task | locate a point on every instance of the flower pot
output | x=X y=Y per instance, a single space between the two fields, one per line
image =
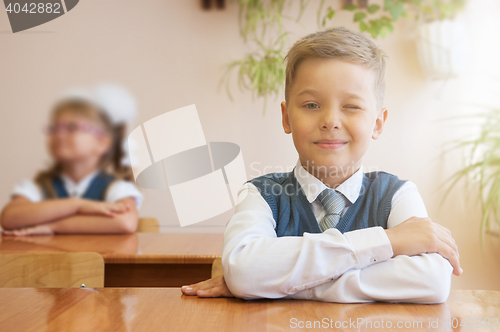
x=441 y=48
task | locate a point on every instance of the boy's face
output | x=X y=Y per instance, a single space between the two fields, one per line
x=332 y=116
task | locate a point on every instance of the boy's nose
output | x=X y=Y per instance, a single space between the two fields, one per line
x=331 y=119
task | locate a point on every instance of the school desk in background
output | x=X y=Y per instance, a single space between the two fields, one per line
x=134 y=260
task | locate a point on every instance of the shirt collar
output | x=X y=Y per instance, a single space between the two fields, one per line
x=77 y=189
x=312 y=186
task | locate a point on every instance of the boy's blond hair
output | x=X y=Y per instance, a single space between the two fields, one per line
x=343 y=44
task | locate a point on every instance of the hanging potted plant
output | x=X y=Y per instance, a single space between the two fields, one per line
x=262 y=71
x=440 y=42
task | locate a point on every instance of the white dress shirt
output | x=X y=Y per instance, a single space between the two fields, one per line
x=117 y=190
x=352 y=267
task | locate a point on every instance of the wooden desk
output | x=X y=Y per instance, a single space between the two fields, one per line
x=166 y=309
x=135 y=260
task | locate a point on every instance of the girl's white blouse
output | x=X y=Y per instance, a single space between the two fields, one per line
x=118 y=189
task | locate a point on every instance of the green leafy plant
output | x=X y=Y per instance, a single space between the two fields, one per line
x=437 y=10
x=262 y=70
x=482 y=167
x=378 y=21
x=376 y=26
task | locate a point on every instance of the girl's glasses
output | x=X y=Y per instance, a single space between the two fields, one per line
x=73 y=127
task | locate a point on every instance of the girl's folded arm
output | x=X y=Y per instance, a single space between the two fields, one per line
x=125 y=222
x=20 y=212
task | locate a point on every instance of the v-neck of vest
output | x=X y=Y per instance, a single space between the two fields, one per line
x=347 y=216
x=305 y=203
x=343 y=221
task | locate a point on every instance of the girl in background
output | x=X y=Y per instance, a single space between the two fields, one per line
x=88 y=188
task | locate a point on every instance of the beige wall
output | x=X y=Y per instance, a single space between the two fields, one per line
x=169 y=53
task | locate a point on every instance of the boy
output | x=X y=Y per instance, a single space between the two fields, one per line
x=326 y=230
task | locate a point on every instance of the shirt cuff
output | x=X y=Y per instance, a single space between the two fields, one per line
x=371 y=245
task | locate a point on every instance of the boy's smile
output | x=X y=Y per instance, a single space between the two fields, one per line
x=332 y=117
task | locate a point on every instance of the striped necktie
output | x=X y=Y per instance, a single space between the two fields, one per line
x=334 y=203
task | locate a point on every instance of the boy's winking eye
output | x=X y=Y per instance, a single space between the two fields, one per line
x=350 y=100
x=332 y=83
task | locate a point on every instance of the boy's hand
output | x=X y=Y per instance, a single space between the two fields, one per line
x=90 y=207
x=215 y=287
x=421 y=235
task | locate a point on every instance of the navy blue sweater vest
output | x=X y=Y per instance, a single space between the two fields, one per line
x=294 y=215
x=95 y=191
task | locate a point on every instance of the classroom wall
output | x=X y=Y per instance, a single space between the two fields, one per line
x=170 y=54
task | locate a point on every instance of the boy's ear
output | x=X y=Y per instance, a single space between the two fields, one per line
x=285 y=119
x=379 y=123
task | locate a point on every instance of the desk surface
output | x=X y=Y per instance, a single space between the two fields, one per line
x=138 y=248
x=166 y=309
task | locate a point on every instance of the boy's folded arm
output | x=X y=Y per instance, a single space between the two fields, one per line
x=323 y=266
x=424 y=278
x=258 y=264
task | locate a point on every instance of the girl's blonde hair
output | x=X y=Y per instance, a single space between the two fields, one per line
x=343 y=44
x=111 y=161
